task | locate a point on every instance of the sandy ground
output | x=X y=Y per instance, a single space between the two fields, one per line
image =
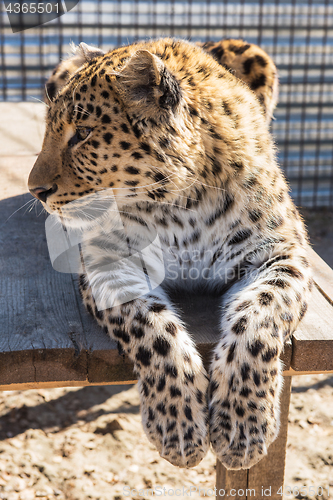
x=87 y=443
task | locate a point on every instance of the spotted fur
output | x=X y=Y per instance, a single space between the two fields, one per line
x=252 y=65
x=185 y=147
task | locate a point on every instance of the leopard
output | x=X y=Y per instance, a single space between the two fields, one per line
x=183 y=147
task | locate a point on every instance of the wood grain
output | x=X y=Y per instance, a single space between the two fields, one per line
x=268 y=474
x=38 y=310
x=227 y=480
x=313 y=341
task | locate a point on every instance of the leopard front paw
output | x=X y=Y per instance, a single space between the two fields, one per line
x=244 y=415
x=175 y=415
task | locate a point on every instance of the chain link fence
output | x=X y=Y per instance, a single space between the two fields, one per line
x=298 y=34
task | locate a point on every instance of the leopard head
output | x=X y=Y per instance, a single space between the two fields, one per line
x=121 y=122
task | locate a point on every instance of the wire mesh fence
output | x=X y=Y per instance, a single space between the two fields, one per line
x=298 y=34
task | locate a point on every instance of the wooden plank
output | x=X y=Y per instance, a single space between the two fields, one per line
x=16 y=367
x=313 y=340
x=227 y=480
x=293 y=373
x=46 y=336
x=41 y=330
x=198 y=313
x=52 y=385
x=265 y=479
x=104 y=364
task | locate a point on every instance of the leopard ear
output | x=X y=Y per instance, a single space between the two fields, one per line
x=84 y=53
x=249 y=63
x=80 y=54
x=146 y=84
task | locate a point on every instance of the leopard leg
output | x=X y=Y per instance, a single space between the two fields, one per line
x=173 y=383
x=246 y=374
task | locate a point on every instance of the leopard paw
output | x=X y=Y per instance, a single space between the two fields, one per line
x=175 y=415
x=244 y=416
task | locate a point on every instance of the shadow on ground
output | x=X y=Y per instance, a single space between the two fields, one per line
x=64 y=411
x=317 y=385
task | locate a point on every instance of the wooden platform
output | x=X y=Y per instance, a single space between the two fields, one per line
x=47 y=339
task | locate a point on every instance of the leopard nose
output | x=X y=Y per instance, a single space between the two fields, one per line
x=42 y=192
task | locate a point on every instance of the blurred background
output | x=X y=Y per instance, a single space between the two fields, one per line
x=298 y=34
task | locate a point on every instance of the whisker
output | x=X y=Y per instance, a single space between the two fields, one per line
x=41 y=212
x=80 y=108
x=29 y=201
x=47 y=94
x=39 y=100
x=29 y=209
x=213 y=187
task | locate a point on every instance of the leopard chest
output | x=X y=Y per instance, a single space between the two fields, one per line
x=193 y=244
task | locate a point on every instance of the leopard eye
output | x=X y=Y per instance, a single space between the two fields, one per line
x=80 y=135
